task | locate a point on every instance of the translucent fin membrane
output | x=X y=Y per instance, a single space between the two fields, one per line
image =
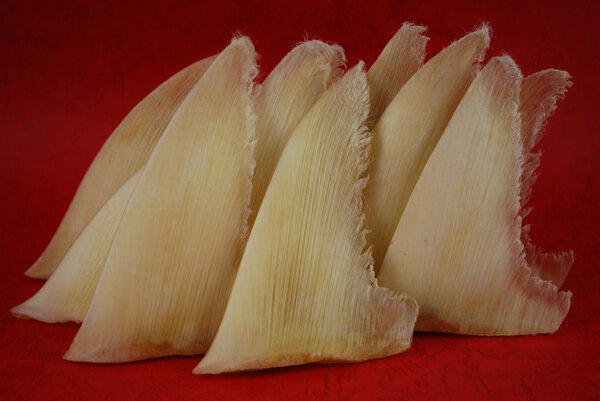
x=175 y=254
x=124 y=153
x=285 y=96
x=457 y=248
x=399 y=60
x=305 y=291
x=68 y=292
x=409 y=129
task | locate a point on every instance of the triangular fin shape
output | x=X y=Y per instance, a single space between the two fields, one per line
x=122 y=155
x=401 y=57
x=305 y=291
x=285 y=96
x=68 y=292
x=175 y=254
x=457 y=248
x=409 y=129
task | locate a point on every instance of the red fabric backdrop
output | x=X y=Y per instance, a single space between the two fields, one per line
x=70 y=71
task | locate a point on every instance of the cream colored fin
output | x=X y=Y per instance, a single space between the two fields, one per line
x=68 y=292
x=538 y=98
x=409 y=129
x=124 y=153
x=175 y=254
x=285 y=96
x=306 y=291
x=400 y=59
x=457 y=248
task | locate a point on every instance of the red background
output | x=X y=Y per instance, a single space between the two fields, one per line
x=71 y=70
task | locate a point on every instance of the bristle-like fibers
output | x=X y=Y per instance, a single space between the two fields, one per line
x=286 y=95
x=457 y=248
x=538 y=99
x=305 y=291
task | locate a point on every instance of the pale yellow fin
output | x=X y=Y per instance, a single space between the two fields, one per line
x=286 y=95
x=409 y=129
x=457 y=248
x=400 y=59
x=305 y=291
x=175 y=254
x=125 y=152
x=68 y=292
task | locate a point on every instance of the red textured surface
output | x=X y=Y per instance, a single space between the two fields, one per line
x=70 y=71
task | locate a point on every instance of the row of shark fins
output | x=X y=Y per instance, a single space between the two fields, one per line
x=248 y=223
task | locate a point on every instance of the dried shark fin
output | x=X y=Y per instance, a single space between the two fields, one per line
x=285 y=96
x=124 y=153
x=457 y=248
x=401 y=57
x=68 y=292
x=538 y=99
x=174 y=258
x=288 y=92
x=409 y=129
x=305 y=291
